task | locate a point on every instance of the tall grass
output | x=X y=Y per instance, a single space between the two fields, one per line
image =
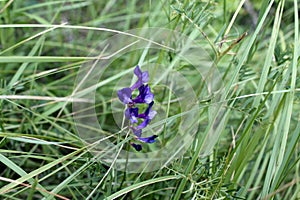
x=43 y=45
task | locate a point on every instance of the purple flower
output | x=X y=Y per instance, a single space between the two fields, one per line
x=143 y=124
x=132 y=112
x=125 y=95
x=136 y=132
x=145 y=95
x=147 y=119
x=143 y=77
x=148 y=113
x=137 y=147
x=150 y=139
x=147 y=116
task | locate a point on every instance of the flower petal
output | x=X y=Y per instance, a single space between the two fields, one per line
x=150 y=139
x=132 y=114
x=136 y=132
x=137 y=71
x=152 y=114
x=125 y=95
x=146 y=113
x=143 y=124
x=143 y=77
x=137 y=147
x=145 y=95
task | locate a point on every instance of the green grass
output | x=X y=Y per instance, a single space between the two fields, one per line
x=246 y=141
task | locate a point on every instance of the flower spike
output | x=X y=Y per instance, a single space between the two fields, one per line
x=145 y=96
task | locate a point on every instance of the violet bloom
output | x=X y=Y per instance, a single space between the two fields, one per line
x=145 y=95
x=150 y=139
x=132 y=112
x=125 y=95
x=137 y=147
x=136 y=132
x=143 y=77
x=148 y=115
